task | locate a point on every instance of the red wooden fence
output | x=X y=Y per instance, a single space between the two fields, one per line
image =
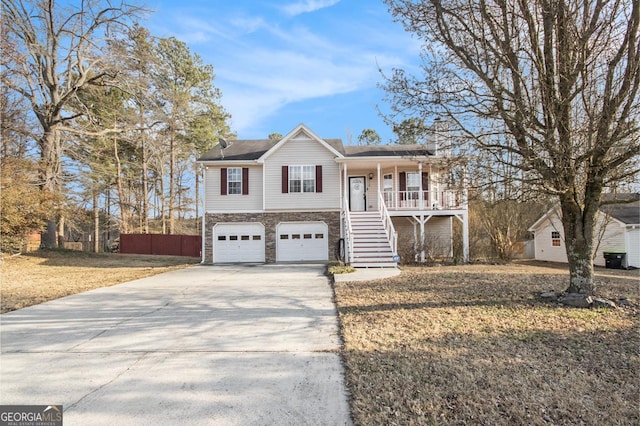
x=165 y=245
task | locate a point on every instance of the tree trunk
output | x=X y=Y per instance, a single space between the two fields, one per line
x=197 y=170
x=145 y=186
x=96 y=222
x=122 y=200
x=579 y=226
x=61 y=237
x=50 y=172
x=172 y=183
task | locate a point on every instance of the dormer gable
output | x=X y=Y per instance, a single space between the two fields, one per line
x=302 y=132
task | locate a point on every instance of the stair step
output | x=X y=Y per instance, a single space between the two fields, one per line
x=374 y=265
x=371 y=247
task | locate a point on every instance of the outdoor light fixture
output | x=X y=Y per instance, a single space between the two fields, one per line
x=370 y=176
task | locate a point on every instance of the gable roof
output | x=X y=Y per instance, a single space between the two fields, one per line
x=260 y=149
x=304 y=129
x=626 y=212
x=252 y=149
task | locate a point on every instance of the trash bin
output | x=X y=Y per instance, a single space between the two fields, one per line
x=614 y=260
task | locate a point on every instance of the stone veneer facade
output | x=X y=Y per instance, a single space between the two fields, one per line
x=270 y=221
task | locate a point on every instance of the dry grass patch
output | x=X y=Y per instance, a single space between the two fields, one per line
x=474 y=345
x=38 y=277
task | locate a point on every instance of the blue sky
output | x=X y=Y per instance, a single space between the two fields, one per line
x=281 y=63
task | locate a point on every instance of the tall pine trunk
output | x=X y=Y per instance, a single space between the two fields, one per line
x=96 y=222
x=172 y=182
x=122 y=199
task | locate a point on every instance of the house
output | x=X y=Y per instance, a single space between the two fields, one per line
x=617 y=230
x=308 y=199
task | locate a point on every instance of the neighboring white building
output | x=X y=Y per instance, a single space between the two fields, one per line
x=304 y=198
x=617 y=230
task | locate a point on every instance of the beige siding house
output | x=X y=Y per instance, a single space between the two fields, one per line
x=617 y=231
x=308 y=199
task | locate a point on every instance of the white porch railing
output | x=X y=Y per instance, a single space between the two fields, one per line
x=392 y=235
x=424 y=200
x=348 y=232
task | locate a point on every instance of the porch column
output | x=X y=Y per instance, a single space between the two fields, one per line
x=396 y=191
x=346 y=186
x=430 y=187
x=378 y=196
x=422 y=221
x=421 y=189
x=464 y=219
x=465 y=237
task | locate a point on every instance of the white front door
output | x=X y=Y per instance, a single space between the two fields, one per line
x=357 y=194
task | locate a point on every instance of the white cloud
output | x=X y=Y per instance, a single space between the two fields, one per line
x=264 y=66
x=263 y=80
x=307 y=6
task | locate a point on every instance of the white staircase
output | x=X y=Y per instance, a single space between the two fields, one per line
x=371 y=247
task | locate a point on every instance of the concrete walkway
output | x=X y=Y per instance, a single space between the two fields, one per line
x=367 y=274
x=232 y=345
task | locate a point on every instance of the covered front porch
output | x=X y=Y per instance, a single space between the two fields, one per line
x=402 y=187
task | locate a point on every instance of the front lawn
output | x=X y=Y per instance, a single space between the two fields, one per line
x=46 y=275
x=474 y=344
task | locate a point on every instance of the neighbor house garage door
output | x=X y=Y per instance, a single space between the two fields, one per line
x=238 y=242
x=302 y=241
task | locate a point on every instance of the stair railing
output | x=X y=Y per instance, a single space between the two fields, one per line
x=348 y=233
x=392 y=235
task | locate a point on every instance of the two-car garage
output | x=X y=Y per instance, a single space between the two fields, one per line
x=245 y=242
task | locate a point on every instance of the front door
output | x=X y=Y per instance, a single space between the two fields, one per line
x=357 y=194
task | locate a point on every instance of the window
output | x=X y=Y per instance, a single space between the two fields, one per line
x=387 y=183
x=555 y=238
x=234 y=180
x=387 y=188
x=413 y=185
x=302 y=179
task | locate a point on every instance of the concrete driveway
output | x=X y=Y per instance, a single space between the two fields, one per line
x=228 y=345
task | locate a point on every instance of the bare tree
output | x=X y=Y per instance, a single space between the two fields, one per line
x=548 y=86
x=58 y=54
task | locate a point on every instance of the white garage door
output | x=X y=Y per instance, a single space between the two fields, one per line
x=238 y=242
x=302 y=241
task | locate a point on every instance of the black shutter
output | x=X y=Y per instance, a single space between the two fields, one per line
x=223 y=181
x=285 y=179
x=245 y=181
x=318 y=178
